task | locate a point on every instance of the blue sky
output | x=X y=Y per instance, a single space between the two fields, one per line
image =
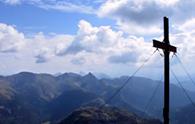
x=100 y=36
x=31 y=19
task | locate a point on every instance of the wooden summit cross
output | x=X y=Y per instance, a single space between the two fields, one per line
x=167 y=48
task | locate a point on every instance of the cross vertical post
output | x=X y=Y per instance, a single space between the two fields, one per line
x=166 y=73
x=167 y=48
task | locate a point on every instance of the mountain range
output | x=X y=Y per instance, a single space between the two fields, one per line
x=39 y=98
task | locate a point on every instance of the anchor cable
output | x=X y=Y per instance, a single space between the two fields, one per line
x=154 y=92
x=185 y=92
x=185 y=70
x=127 y=81
x=152 y=97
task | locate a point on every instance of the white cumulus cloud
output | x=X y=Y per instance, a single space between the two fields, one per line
x=142 y=17
x=10 y=39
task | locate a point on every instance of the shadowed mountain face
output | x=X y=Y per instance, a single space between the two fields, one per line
x=34 y=98
x=67 y=102
x=106 y=115
x=184 y=115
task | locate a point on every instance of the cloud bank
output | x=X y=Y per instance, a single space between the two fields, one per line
x=127 y=43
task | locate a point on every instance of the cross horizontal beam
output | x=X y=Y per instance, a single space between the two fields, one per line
x=164 y=46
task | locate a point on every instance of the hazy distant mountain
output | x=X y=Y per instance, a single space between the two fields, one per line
x=102 y=75
x=189 y=85
x=108 y=115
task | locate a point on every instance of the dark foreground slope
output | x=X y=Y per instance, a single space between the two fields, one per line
x=106 y=115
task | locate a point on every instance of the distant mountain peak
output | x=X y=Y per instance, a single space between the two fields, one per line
x=90 y=75
x=26 y=73
x=70 y=74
